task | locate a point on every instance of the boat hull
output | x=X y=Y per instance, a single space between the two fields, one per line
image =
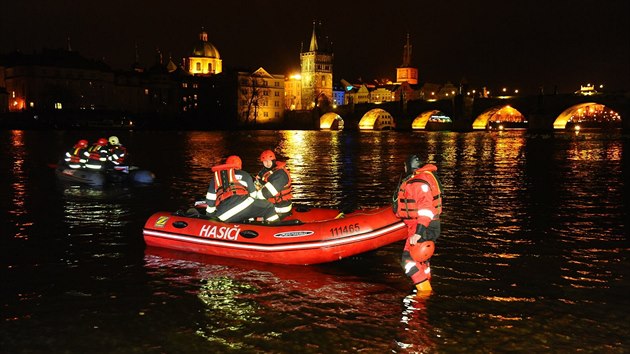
x=306 y=237
x=99 y=178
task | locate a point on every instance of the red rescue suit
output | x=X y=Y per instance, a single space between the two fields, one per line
x=97 y=155
x=117 y=154
x=76 y=157
x=419 y=204
x=229 y=197
x=276 y=187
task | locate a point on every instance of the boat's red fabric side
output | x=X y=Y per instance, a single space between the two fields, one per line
x=308 y=243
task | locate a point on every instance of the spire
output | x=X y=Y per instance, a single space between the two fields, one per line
x=313 y=47
x=203 y=36
x=407 y=54
x=69 y=45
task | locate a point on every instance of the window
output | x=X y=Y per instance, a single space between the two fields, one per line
x=198 y=66
x=184 y=85
x=265 y=114
x=209 y=67
x=277 y=114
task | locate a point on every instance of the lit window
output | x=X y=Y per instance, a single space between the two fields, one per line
x=58 y=105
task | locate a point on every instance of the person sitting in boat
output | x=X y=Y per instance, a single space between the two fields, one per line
x=75 y=158
x=229 y=198
x=418 y=201
x=117 y=152
x=97 y=155
x=274 y=183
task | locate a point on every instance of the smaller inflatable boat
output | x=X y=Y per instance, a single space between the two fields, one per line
x=120 y=174
x=308 y=236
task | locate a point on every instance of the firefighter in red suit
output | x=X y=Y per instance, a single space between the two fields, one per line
x=229 y=195
x=274 y=181
x=97 y=155
x=117 y=152
x=418 y=201
x=76 y=158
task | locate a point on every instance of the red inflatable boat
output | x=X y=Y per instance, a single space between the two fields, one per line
x=308 y=236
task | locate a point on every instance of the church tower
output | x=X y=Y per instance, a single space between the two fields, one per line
x=317 y=72
x=406 y=73
x=204 y=59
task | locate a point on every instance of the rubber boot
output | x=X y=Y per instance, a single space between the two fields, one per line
x=424 y=288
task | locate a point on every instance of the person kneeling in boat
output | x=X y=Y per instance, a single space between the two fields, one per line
x=116 y=152
x=97 y=155
x=418 y=201
x=229 y=195
x=76 y=158
x=274 y=183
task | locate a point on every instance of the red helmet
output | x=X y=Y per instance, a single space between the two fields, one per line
x=102 y=141
x=82 y=143
x=267 y=155
x=234 y=160
x=421 y=252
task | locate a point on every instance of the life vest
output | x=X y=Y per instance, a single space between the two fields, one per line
x=97 y=153
x=285 y=194
x=117 y=154
x=76 y=157
x=226 y=183
x=408 y=208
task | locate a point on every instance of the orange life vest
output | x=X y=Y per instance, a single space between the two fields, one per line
x=226 y=183
x=286 y=193
x=408 y=208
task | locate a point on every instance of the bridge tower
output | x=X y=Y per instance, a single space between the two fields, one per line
x=317 y=72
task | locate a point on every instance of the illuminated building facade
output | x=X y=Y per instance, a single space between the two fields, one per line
x=260 y=97
x=205 y=58
x=293 y=92
x=406 y=73
x=317 y=73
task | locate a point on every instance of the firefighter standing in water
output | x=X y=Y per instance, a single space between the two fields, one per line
x=76 y=157
x=418 y=201
x=274 y=183
x=229 y=198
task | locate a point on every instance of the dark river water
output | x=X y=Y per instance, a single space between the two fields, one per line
x=533 y=255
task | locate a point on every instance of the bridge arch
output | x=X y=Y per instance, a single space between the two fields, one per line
x=501 y=115
x=585 y=113
x=377 y=119
x=331 y=120
x=420 y=122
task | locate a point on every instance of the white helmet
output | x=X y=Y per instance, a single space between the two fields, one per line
x=114 y=140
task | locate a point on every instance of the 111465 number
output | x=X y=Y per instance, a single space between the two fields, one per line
x=345 y=230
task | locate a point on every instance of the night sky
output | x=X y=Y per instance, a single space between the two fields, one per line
x=518 y=44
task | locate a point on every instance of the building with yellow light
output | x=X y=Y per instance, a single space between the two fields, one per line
x=205 y=58
x=260 y=97
x=316 y=73
x=293 y=92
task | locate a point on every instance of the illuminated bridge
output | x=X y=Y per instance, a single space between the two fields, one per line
x=463 y=113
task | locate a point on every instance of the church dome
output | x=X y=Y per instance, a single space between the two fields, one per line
x=203 y=48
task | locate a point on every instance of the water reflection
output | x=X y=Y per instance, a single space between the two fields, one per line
x=18 y=210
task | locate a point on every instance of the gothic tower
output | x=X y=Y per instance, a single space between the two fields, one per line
x=406 y=73
x=317 y=72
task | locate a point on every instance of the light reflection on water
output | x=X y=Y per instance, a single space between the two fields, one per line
x=533 y=255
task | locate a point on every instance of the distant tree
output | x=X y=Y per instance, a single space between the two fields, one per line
x=253 y=95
